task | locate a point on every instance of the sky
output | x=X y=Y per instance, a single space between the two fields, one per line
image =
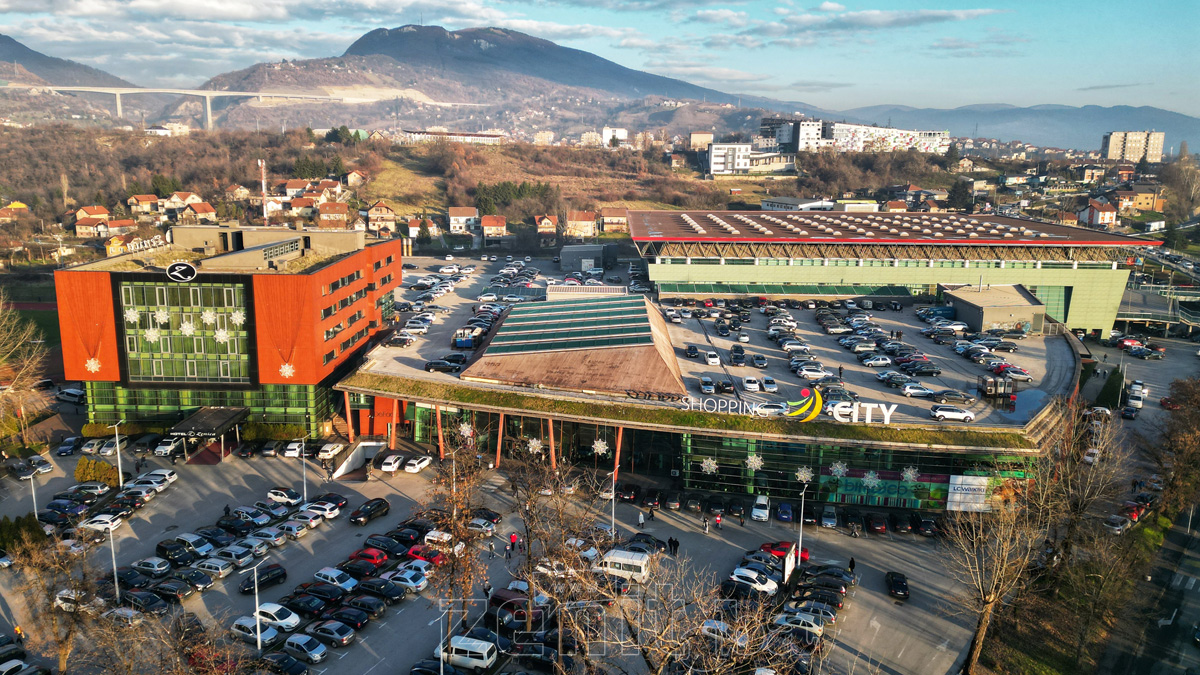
x=834 y=55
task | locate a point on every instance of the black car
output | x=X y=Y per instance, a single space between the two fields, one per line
x=503 y=644
x=267 y=575
x=457 y=358
x=543 y=657
x=442 y=367
x=129 y=501
x=737 y=590
x=432 y=667
x=235 y=525
x=714 y=505
x=650 y=540
x=174 y=553
x=334 y=498
x=216 y=536
x=384 y=543
x=629 y=492
x=488 y=515
x=897 y=585
x=199 y=580
x=369 y=511
x=407 y=536
x=726 y=386
x=384 y=589
x=899 y=524
x=173 y=590
x=359 y=569
x=652 y=499
x=246 y=449
x=68 y=446
x=953 y=396
x=691 y=352
x=53 y=518
x=307 y=606
x=322 y=590
x=925 y=525
x=835 y=600
x=355 y=618
x=550 y=638
x=144 y=601
x=926 y=369
x=131 y=578
x=1129 y=413
x=283 y=664
x=77 y=496
x=370 y=605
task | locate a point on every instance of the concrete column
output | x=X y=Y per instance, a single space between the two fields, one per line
x=499 y=440
x=349 y=417
x=966 y=264
x=208 y=125
x=1075 y=265
x=395 y=423
x=1002 y=264
x=1037 y=265
x=617 y=455
x=860 y=262
x=553 y=458
x=120 y=113
x=437 y=411
x=824 y=262
x=722 y=261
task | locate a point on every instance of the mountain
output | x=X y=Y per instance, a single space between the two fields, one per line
x=51 y=70
x=1052 y=125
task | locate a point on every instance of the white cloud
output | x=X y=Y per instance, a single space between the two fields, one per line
x=694 y=71
x=726 y=41
x=829 y=7
x=873 y=19
x=818 y=86
x=726 y=17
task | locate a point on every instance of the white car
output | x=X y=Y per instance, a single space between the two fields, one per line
x=293 y=449
x=951 y=412
x=157 y=484
x=310 y=519
x=750 y=383
x=416 y=464
x=283 y=495
x=392 y=463
x=487 y=297
x=878 y=361
x=330 y=450
x=743 y=337
x=278 y=616
x=755 y=579
x=712 y=359
x=885 y=374
x=771 y=410
x=1091 y=456
x=102 y=523
x=582 y=548
x=813 y=372
x=328 y=511
x=168 y=474
x=768 y=384
x=761 y=511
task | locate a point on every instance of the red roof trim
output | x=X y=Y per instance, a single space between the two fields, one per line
x=913 y=241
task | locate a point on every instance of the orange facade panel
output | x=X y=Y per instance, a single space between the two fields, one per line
x=88 y=326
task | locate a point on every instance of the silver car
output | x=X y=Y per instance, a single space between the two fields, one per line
x=252 y=515
x=257 y=546
x=271 y=536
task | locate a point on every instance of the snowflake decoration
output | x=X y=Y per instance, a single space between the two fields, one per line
x=209 y=317
x=162 y=316
x=131 y=316
x=535 y=446
x=287 y=370
x=709 y=466
x=838 y=469
x=754 y=462
x=237 y=318
x=804 y=474
x=92 y=365
x=909 y=474
x=221 y=336
x=466 y=430
x=600 y=447
x=152 y=335
x=871 y=480
x=187 y=328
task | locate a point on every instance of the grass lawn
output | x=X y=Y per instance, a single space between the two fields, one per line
x=26 y=292
x=47 y=322
x=406 y=188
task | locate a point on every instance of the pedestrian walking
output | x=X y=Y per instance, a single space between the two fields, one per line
x=706 y=526
x=718 y=521
x=226 y=509
x=487 y=589
x=672 y=545
x=650 y=514
x=641 y=520
x=1105 y=357
x=851 y=565
x=899 y=335
x=507 y=552
x=512 y=539
x=1133 y=484
x=19 y=635
x=491 y=550
x=742 y=519
x=841 y=369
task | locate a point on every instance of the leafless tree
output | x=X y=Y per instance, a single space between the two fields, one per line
x=22 y=363
x=42 y=571
x=1178 y=456
x=1100 y=580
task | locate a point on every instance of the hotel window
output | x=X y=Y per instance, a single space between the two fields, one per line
x=131 y=344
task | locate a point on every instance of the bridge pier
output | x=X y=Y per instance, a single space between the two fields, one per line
x=120 y=114
x=207 y=112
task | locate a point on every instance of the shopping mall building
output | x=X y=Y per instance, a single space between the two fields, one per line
x=263 y=319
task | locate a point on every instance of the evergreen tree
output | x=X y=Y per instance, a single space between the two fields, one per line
x=337 y=168
x=423 y=235
x=951 y=157
x=1183 y=150
x=1142 y=166
x=960 y=197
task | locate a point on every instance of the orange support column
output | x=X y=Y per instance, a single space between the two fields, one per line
x=395 y=423
x=617 y=454
x=437 y=411
x=349 y=417
x=499 y=440
x=553 y=459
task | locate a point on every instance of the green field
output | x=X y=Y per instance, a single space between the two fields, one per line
x=47 y=321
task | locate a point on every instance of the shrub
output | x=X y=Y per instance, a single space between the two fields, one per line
x=1110 y=395
x=257 y=431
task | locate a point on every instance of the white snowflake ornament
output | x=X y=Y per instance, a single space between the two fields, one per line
x=909 y=474
x=535 y=446
x=92 y=365
x=221 y=336
x=152 y=335
x=131 y=316
x=871 y=480
x=287 y=370
x=709 y=466
x=754 y=462
x=237 y=318
x=162 y=316
x=838 y=469
x=804 y=474
x=466 y=430
x=600 y=447
x=209 y=317
x=187 y=328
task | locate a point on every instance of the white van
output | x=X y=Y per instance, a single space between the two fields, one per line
x=761 y=511
x=467 y=653
x=625 y=564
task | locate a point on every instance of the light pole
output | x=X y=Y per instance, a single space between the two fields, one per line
x=303 y=473
x=117 y=440
x=613 y=503
x=112 y=546
x=33 y=491
x=257 y=617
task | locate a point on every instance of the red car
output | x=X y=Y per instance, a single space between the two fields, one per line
x=911 y=357
x=1133 y=511
x=1169 y=403
x=1001 y=367
x=371 y=555
x=877 y=523
x=780 y=548
x=427 y=553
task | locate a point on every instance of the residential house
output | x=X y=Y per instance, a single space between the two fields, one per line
x=463 y=218
x=374 y=136
x=907 y=192
x=1124 y=173
x=381 y=215
x=333 y=215
x=91 y=227
x=355 y=178
x=118 y=244
x=1122 y=199
x=1097 y=215
x=580 y=224
x=1089 y=173
x=547 y=229
x=678 y=161
x=414 y=227
x=1149 y=198
x=301 y=207
x=895 y=207
x=359 y=224
x=614 y=219
x=295 y=187
x=92 y=212
x=142 y=205
x=930 y=206
x=7 y=215
x=201 y=212
x=331 y=187
x=237 y=193
x=178 y=201
x=1067 y=218
x=966 y=164
x=494 y=227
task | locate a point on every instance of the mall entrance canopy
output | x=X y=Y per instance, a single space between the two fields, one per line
x=211 y=422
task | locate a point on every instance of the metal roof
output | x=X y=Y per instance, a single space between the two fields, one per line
x=578 y=323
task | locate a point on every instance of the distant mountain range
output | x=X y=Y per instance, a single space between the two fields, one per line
x=480 y=77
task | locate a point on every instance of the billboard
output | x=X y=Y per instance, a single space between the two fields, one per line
x=968 y=493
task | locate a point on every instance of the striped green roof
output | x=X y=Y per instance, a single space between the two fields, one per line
x=578 y=323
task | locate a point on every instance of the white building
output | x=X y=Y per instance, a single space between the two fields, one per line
x=727 y=158
x=864 y=138
x=609 y=133
x=802 y=136
x=796 y=204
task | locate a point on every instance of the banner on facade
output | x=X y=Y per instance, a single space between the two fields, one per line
x=968 y=493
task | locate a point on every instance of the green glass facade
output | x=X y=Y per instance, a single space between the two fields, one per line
x=844 y=472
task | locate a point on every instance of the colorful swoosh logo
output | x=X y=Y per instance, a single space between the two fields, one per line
x=808 y=407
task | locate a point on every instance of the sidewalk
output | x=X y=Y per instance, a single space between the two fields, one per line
x=57 y=427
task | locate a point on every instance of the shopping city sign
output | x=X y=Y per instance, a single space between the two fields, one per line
x=858 y=411
x=808 y=407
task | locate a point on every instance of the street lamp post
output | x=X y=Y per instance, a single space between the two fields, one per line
x=117 y=439
x=303 y=473
x=112 y=546
x=257 y=616
x=33 y=491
